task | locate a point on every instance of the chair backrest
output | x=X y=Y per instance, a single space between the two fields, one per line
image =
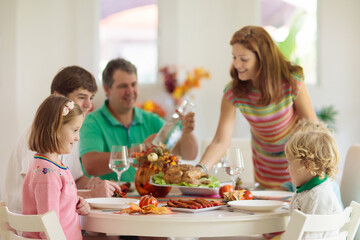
x=350 y=181
x=244 y=144
x=346 y=222
x=11 y=223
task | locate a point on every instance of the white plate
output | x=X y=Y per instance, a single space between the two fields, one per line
x=111 y=203
x=256 y=205
x=272 y=195
x=189 y=210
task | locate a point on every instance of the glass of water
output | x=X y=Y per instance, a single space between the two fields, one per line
x=119 y=160
x=233 y=163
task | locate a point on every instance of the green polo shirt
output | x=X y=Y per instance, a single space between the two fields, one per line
x=101 y=130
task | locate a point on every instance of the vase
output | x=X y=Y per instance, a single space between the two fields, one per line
x=142 y=183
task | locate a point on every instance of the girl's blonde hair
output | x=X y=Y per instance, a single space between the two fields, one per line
x=49 y=118
x=316 y=150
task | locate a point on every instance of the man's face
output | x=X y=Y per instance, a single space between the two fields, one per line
x=83 y=98
x=124 y=91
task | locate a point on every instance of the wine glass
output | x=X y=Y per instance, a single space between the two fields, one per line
x=233 y=163
x=119 y=160
x=134 y=152
x=218 y=165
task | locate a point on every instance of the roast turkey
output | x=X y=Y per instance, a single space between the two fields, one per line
x=183 y=173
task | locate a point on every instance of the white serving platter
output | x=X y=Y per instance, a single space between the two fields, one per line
x=189 y=210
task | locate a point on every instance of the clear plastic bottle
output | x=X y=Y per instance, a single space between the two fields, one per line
x=170 y=132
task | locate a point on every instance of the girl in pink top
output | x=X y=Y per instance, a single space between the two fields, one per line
x=49 y=184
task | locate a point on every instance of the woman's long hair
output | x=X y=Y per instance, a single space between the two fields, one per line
x=272 y=65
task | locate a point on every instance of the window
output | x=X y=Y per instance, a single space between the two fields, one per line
x=128 y=29
x=293 y=25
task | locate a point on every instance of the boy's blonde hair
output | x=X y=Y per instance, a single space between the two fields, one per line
x=316 y=150
x=311 y=125
x=49 y=118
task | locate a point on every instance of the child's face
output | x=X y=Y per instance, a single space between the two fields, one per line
x=298 y=177
x=69 y=134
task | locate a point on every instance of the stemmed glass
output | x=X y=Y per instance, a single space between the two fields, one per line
x=134 y=152
x=233 y=163
x=119 y=160
x=218 y=165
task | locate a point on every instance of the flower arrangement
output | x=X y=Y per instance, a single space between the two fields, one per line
x=151 y=106
x=157 y=158
x=192 y=80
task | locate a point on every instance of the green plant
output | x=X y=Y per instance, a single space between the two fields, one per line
x=327 y=114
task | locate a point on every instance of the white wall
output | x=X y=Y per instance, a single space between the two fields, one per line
x=39 y=37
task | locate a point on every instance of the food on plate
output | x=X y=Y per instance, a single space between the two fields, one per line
x=183 y=173
x=148 y=209
x=196 y=203
x=147 y=200
x=225 y=189
x=238 y=195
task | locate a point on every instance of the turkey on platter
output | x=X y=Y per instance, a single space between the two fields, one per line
x=187 y=173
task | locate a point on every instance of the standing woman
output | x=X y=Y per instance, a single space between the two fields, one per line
x=271 y=94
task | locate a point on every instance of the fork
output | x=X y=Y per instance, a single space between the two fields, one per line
x=230 y=209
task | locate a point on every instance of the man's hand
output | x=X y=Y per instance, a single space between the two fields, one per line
x=82 y=207
x=188 y=122
x=105 y=189
x=149 y=139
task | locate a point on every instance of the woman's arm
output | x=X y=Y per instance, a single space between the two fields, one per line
x=223 y=135
x=303 y=105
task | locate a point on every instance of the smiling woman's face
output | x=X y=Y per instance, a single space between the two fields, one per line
x=245 y=62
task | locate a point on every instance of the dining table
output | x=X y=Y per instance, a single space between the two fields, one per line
x=222 y=222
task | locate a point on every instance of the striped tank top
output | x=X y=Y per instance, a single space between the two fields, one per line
x=271 y=127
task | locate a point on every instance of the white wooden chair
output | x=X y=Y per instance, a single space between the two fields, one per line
x=350 y=181
x=347 y=221
x=244 y=144
x=10 y=223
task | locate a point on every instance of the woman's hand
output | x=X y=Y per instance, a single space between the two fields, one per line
x=82 y=207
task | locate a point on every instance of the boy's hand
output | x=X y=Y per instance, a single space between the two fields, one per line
x=105 y=189
x=82 y=207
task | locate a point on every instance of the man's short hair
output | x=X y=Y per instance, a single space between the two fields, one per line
x=71 y=78
x=49 y=118
x=117 y=64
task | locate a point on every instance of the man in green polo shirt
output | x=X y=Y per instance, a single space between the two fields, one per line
x=119 y=122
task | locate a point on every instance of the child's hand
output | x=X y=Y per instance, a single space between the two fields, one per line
x=82 y=206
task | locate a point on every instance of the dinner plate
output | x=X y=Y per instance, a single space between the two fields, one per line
x=111 y=203
x=272 y=195
x=256 y=205
x=189 y=210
